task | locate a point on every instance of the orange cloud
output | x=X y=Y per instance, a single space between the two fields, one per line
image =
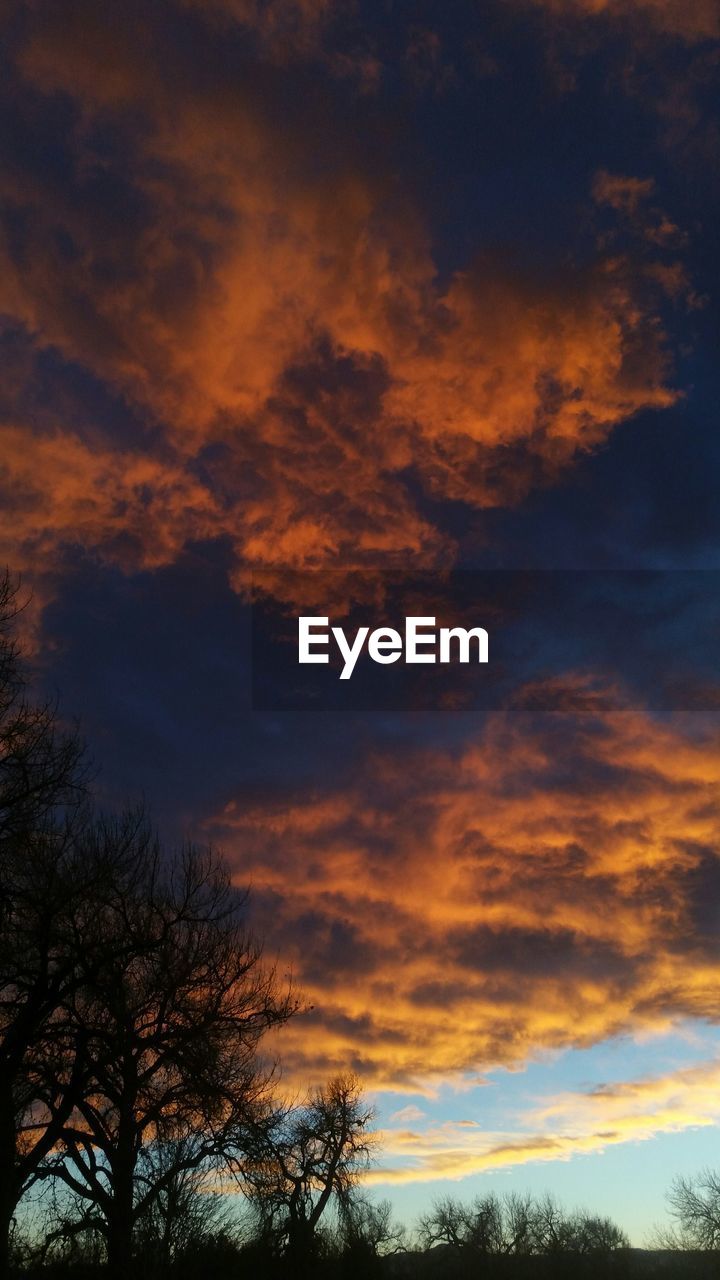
x=546 y=885
x=629 y=197
x=621 y=191
x=281 y=333
x=128 y=507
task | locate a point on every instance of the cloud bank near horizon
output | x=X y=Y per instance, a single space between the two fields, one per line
x=548 y=882
x=560 y=1128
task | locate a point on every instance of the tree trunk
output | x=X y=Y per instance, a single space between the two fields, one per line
x=301 y=1249
x=119 y=1246
x=120 y=1223
x=8 y=1178
x=7 y=1208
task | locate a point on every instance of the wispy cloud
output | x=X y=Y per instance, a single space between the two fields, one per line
x=560 y=1128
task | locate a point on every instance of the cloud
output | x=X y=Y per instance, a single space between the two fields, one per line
x=558 y=1129
x=549 y=883
x=699 y=21
x=406 y=1115
x=621 y=191
x=263 y=301
x=630 y=197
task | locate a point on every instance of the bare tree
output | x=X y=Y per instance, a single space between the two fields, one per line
x=517 y=1224
x=488 y=1225
x=189 y=1210
x=310 y=1156
x=554 y=1228
x=171 y=1005
x=366 y=1230
x=694 y=1205
x=42 y=782
x=596 y=1236
x=449 y=1222
x=579 y=1232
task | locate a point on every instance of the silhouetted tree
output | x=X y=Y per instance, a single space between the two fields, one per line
x=187 y=1213
x=554 y=1228
x=366 y=1233
x=488 y=1225
x=310 y=1156
x=41 y=892
x=449 y=1222
x=171 y=1005
x=494 y=1226
x=579 y=1232
x=694 y=1205
x=597 y=1236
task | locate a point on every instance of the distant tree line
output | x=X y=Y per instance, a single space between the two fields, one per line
x=135 y=1093
x=495 y=1226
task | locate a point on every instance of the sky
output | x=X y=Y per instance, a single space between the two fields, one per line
x=299 y=300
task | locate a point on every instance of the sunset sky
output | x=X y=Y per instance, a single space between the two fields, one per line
x=302 y=285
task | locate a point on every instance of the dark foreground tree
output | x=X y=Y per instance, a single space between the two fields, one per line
x=311 y=1156
x=188 y=1213
x=42 y=887
x=171 y=1005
